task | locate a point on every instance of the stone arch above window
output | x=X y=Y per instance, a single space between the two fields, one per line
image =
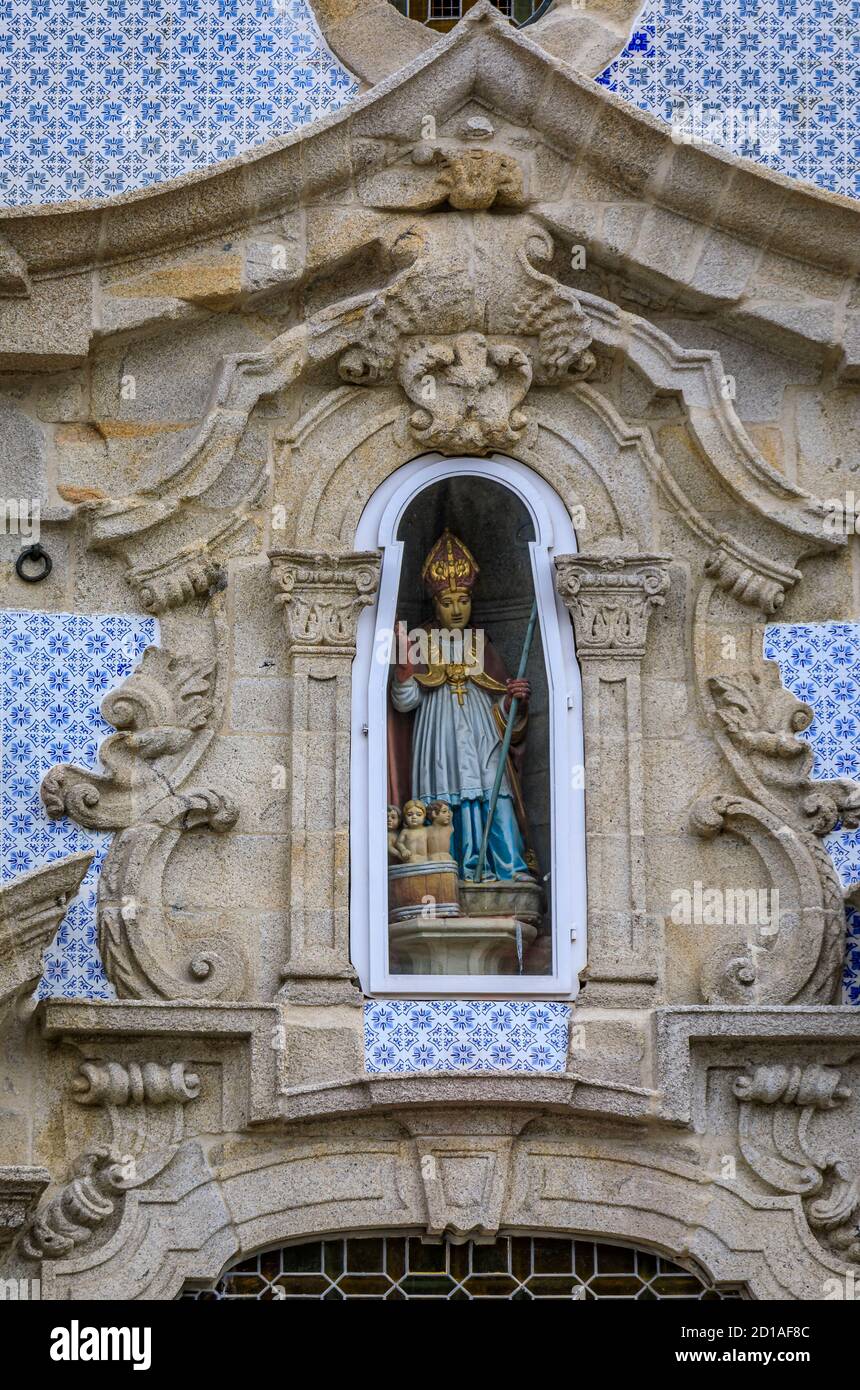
x=520 y=1268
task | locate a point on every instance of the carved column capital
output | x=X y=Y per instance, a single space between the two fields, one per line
x=322 y=597
x=610 y=599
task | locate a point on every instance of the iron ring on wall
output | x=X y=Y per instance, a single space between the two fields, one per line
x=34 y=555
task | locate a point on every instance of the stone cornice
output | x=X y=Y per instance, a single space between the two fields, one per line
x=624 y=145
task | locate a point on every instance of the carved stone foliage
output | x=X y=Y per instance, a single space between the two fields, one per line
x=610 y=599
x=763 y=720
x=780 y=1140
x=160 y=712
x=467 y=353
x=322 y=597
x=796 y=955
x=135 y=1083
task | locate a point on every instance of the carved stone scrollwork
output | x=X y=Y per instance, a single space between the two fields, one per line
x=795 y=956
x=468 y=392
x=159 y=711
x=610 y=599
x=760 y=585
x=177 y=581
x=778 y=1109
x=322 y=596
x=20 y=1189
x=465 y=364
x=135 y=1083
x=73 y=1216
x=763 y=721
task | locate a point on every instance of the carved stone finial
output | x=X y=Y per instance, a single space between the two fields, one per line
x=322 y=596
x=610 y=599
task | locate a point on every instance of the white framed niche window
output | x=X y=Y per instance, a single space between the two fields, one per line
x=548 y=531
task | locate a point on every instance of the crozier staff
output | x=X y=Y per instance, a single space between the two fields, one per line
x=460 y=715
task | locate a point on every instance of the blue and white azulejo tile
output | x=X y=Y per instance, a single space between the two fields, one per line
x=465 y=1035
x=777 y=81
x=55 y=670
x=820 y=663
x=98 y=97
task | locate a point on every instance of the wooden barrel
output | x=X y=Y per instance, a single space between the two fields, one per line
x=422 y=890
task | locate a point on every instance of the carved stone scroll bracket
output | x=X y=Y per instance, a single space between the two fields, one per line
x=795 y=954
x=750 y=580
x=135 y=1083
x=610 y=600
x=31 y=909
x=321 y=598
x=162 y=713
x=779 y=1113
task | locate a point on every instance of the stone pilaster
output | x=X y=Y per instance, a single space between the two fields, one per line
x=321 y=597
x=610 y=600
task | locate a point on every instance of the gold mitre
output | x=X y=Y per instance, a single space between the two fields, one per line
x=450 y=565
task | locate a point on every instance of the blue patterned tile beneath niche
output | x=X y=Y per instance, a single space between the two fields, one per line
x=773 y=80
x=55 y=670
x=820 y=663
x=472 y=1035
x=98 y=97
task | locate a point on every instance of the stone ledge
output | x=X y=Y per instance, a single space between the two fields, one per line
x=680 y=1030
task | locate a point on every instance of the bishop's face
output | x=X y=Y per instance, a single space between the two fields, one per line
x=453 y=608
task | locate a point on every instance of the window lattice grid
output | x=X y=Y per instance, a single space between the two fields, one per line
x=513 y=1268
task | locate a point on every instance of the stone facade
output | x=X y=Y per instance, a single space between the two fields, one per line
x=203 y=386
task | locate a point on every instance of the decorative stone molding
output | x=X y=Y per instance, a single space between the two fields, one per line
x=465 y=1179
x=469 y=386
x=135 y=1083
x=322 y=597
x=610 y=599
x=73 y=1216
x=159 y=711
x=797 y=959
x=472 y=179
x=778 y=1138
x=31 y=909
x=20 y=1190
x=761 y=585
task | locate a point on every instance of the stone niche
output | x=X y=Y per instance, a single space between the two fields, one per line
x=399 y=301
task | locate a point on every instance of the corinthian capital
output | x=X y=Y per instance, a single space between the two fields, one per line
x=322 y=596
x=610 y=598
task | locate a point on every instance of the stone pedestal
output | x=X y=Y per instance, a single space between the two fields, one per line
x=459 y=946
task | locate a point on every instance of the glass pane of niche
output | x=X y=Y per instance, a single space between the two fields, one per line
x=469 y=842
